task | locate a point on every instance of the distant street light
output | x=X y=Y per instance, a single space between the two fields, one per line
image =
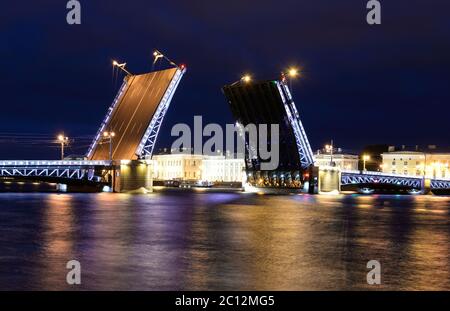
x=109 y=136
x=292 y=73
x=63 y=140
x=329 y=149
x=247 y=78
x=365 y=157
x=157 y=55
x=121 y=66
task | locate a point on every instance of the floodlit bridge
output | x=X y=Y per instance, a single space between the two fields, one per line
x=90 y=171
x=134 y=118
x=369 y=182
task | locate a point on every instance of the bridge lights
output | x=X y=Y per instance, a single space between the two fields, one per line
x=330 y=148
x=63 y=140
x=109 y=136
x=121 y=66
x=157 y=55
x=293 y=72
x=247 y=78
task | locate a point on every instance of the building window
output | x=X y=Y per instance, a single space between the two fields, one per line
x=394 y=171
x=405 y=172
x=393 y=163
x=405 y=163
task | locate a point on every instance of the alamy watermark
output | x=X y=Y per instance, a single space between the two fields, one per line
x=374 y=15
x=73 y=277
x=374 y=275
x=254 y=139
x=73 y=16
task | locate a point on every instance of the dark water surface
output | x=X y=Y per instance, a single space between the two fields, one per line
x=223 y=241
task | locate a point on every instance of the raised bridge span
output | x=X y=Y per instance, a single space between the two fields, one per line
x=138 y=111
x=135 y=117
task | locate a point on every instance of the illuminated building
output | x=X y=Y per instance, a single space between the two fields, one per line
x=415 y=163
x=193 y=167
x=337 y=159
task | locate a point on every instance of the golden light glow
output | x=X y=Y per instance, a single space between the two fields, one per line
x=115 y=63
x=293 y=72
x=62 y=138
x=247 y=78
x=109 y=134
x=366 y=157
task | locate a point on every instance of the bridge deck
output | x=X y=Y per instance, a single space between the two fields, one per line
x=131 y=117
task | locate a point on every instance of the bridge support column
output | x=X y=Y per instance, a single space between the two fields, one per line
x=426 y=186
x=134 y=176
x=329 y=180
x=61 y=187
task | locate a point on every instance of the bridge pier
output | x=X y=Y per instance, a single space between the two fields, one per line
x=329 y=180
x=133 y=176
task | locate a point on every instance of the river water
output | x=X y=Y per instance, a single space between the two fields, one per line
x=223 y=241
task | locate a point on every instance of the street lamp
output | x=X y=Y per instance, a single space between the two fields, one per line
x=329 y=149
x=366 y=158
x=63 y=140
x=247 y=78
x=121 y=66
x=292 y=73
x=109 y=136
x=157 y=55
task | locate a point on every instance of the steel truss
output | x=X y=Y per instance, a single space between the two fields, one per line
x=348 y=178
x=147 y=144
x=78 y=170
x=440 y=184
x=304 y=148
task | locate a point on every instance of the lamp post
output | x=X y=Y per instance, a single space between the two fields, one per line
x=121 y=67
x=247 y=78
x=109 y=136
x=329 y=148
x=366 y=158
x=63 y=140
x=292 y=73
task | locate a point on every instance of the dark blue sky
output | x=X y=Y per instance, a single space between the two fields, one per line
x=362 y=84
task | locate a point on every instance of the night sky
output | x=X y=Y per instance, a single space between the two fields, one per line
x=361 y=85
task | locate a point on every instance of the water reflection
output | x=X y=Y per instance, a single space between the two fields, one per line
x=58 y=237
x=198 y=241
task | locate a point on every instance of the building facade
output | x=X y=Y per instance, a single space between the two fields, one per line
x=339 y=160
x=414 y=163
x=193 y=167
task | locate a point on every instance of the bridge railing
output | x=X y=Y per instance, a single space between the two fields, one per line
x=374 y=173
x=23 y=163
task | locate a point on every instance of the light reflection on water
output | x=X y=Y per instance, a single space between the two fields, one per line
x=228 y=241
